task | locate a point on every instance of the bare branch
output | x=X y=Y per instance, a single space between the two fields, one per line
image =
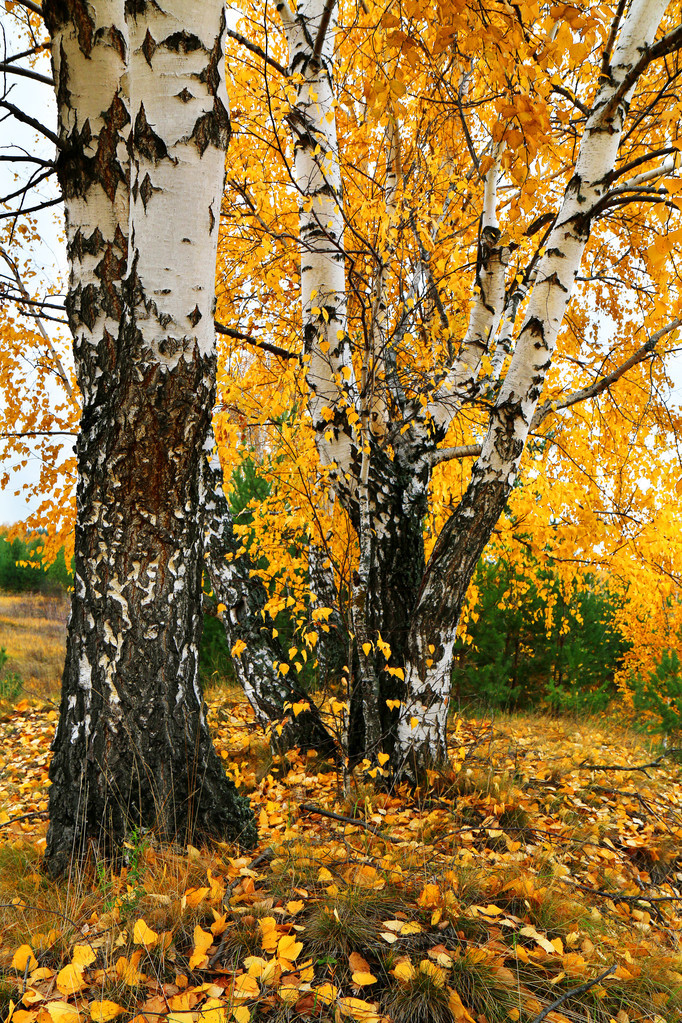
x=40 y=433
x=281 y=353
x=668 y=44
x=254 y=48
x=449 y=454
x=30 y=6
x=28 y=186
x=323 y=26
x=599 y=386
x=574 y=991
x=25 y=118
x=23 y=72
x=54 y=355
x=608 y=49
x=559 y=89
x=32 y=209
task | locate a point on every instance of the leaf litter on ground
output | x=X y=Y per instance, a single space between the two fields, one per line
x=504 y=891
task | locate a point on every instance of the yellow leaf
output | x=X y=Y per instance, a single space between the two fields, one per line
x=62 y=1012
x=411 y=928
x=268 y=927
x=289 y=993
x=457 y=1008
x=288 y=948
x=246 y=987
x=366 y=647
x=238 y=648
x=363 y=979
x=324 y=875
x=404 y=971
x=144 y=935
x=326 y=993
x=70 y=980
x=383 y=757
x=294 y=907
x=364 y=1012
x=241 y=1014
x=102 y=1012
x=193 y=896
x=202 y=942
x=83 y=955
x=393 y=704
x=23 y=955
x=298 y=708
x=436 y=974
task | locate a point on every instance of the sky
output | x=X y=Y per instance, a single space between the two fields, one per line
x=49 y=258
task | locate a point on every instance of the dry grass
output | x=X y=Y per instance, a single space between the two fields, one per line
x=33 y=632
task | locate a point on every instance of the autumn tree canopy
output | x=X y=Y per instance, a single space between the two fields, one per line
x=448 y=299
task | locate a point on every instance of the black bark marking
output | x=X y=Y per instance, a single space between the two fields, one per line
x=107 y=168
x=210 y=76
x=194 y=316
x=147 y=189
x=149 y=47
x=185 y=95
x=212 y=128
x=145 y=139
x=182 y=42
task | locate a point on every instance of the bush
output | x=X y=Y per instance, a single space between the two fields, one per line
x=518 y=659
x=657 y=697
x=22 y=569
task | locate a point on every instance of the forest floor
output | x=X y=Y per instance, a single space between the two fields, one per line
x=541 y=880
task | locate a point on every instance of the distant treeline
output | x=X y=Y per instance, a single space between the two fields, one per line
x=22 y=569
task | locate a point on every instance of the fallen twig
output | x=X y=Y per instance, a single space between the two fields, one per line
x=41 y=814
x=574 y=991
x=311 y=808
x=620 y=767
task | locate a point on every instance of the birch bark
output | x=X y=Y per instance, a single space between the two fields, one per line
x=143 y=128
x=423 y=724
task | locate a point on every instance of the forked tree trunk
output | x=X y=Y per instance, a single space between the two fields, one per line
x=143 y=127
x=423 y=723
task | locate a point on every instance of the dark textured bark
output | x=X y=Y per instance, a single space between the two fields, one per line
x=332 y=648
x=132 y=749
x=256 y=653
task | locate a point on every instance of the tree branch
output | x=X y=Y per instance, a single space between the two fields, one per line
x=574 y=991
x=599 y=386
x=254 y=48
x=559 y=89
x=27 y=119
x=281 y=353
x=8 y=68
x=447 y=454
x=323 y=26
x=668 y=44
x=30 y=6
x=32 y=209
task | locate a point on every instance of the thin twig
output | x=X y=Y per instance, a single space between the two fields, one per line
x=282 y=353
x=311 y=808
x=574 y=991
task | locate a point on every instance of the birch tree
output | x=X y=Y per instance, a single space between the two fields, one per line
x=143 y=128
x=385 y=411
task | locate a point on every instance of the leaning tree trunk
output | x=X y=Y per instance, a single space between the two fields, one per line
x=423 y=723
x=143 y=128
x=256 y=654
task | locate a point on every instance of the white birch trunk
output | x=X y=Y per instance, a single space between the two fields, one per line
x=132 y=747
x=422 y=726
x=329 y=373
